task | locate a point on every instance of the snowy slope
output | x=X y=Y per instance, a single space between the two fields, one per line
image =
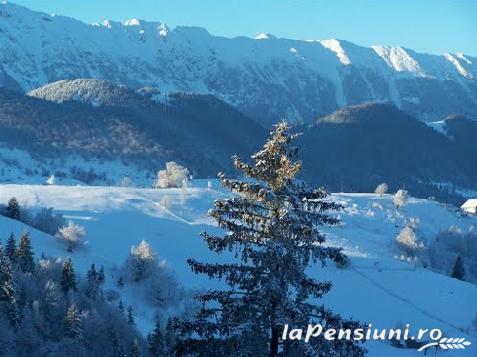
x=377 y=288
x=267 y=78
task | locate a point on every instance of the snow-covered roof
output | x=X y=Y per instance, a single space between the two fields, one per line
x=470 y=203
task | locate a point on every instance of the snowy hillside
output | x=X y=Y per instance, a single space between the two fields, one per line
x=378 y=287
x=266 y=78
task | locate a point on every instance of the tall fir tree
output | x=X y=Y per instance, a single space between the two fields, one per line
x=130 y=315
x=11 y=248
x=68 y=279
x=156 y=341
x=116 y=344
x=92 y=285
x=458 y=272
x=271 y=224
x=8 y=299
x=13 y=209
x=73 y=322
x=121 y=306
x=101 y=276
x=24 y=254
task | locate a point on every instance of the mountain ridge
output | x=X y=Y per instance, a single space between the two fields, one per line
x=267 y=78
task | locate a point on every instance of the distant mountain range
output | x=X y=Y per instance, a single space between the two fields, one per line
x=266 y=78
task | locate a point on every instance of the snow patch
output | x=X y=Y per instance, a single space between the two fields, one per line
x=132 y=22
x=335 y=46
x=398 y=59
x=462 y=71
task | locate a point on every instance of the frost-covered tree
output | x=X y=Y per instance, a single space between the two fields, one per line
x=24 y=254
x=68 y=281
x=174 y=175
x=8 y=299
x=381 y=189
x=407 y=240
x=11 y=248
x=400 y=198
x=51 y=180
x=458 y=272
x=73 y=234
x=141 y=260
x=272 y=226
x=13 y=209
x=72 y=322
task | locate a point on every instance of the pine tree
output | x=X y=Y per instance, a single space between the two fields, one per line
x=130 y=315
x=11 y=248
x=170 y=339
x=135 y=350
x=68 y=281
x=156 y=341
x=272 y=227
x=8 y=300
x=121 y=306
x=120 y=282
x=25 y=254
x=458 y=272
x=101 y=277
x=13 y=209
x=73 y=322
x=116 y=344
x=92 y=283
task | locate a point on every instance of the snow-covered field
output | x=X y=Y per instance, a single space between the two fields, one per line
x=378 y=288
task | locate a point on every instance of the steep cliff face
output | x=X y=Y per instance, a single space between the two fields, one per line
x=266 y=78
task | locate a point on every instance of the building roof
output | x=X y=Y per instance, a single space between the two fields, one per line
x=470 y=203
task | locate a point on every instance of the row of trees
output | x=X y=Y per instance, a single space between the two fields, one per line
x=72 y=234
x=400 y=197
x=46 y=309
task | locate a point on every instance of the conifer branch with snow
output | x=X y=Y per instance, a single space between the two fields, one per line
x=271 y=224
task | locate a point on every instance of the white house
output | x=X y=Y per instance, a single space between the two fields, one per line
x=470 y=206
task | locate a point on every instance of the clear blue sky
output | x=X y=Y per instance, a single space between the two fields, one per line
x=434 y=26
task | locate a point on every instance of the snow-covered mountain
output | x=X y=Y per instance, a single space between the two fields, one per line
x=266 y=78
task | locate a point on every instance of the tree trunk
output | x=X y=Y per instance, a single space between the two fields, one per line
x=274 y=342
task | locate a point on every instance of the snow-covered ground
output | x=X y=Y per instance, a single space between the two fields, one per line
x=18 y=166
x=378 y=288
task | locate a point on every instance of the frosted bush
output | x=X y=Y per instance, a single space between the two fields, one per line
x=381 y=189
x=73 y=235
x=51 y=180
x=173 y=176
x=377 y=205
x=400 y=198
x=407 y=240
